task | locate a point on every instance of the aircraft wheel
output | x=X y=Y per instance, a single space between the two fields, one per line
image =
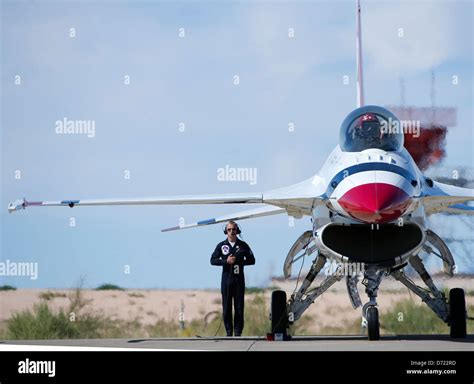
x=457 y=313
x=373 y=325
x=278 y=312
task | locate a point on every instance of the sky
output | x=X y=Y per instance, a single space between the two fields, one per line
x=178 y=90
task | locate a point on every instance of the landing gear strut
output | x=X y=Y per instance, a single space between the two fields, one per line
x=453 y=313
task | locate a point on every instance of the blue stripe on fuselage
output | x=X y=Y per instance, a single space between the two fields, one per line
x=367 y=167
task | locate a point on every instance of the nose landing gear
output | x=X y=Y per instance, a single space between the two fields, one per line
x=370 y=313
x=372 y=321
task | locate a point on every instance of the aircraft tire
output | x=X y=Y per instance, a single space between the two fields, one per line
x=457 y=313
x=373 y=326
x=278 y=312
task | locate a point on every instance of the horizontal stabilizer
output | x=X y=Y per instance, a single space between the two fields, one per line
x=258 y=212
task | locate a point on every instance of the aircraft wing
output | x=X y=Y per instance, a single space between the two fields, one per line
x=297 y=199
x=447 y=198
x=258 y=212
x=235 y=198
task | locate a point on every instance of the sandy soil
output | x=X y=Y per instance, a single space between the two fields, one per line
x=331 y=309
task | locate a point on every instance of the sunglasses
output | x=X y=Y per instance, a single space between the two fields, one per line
x=231 y=229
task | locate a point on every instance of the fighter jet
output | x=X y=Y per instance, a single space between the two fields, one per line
x=368 y=205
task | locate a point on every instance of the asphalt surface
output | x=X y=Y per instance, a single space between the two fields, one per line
x=299 y=343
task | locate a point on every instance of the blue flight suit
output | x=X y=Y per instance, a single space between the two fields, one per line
x=233 y=281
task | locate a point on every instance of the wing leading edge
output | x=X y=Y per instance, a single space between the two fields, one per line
x=234 y=198
x=297 y=200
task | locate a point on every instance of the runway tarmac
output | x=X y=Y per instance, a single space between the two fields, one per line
x=298 y=343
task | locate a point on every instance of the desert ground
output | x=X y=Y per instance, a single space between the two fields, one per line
x=333 y=309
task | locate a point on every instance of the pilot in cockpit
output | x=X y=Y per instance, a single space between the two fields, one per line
x=367 y=131
x=370 y=130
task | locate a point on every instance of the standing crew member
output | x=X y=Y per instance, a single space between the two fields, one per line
x=232 y=254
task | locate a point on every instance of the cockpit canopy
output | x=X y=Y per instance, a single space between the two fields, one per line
x=371 y=127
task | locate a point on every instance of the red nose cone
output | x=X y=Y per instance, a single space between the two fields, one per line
x=375 y=202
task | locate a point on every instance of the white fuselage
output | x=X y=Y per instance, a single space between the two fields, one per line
x=372 y=186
